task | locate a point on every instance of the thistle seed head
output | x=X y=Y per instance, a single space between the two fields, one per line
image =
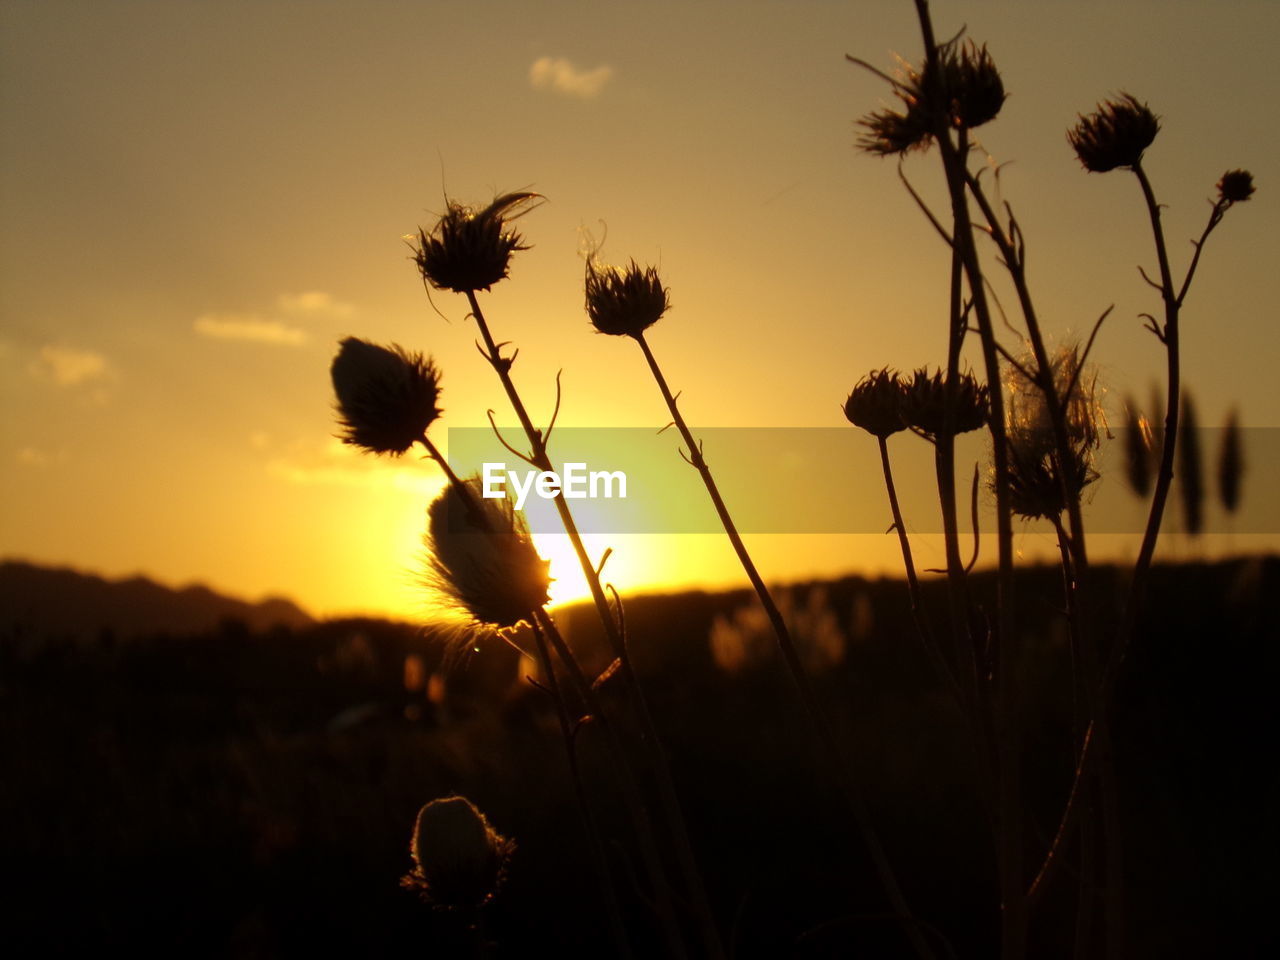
x=387 y=397
x=876 y=403
x=459 y=859
x=482 y=558
x=1115 y=135
x=925 y=403
x=468 y=249
x=624 y=302
x=1236 y=186
x=1034 y=485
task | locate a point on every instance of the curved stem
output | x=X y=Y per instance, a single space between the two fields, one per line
x=791 y=658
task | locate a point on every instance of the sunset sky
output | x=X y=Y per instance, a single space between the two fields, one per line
x=201 y=200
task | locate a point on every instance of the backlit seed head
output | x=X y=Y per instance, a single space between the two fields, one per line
x=459 y=860
x=876 y=404
x=624 y=302
x=973 y=87
x=1115 y=135
x=925 y=403
x=387 y=397
x=468 y=249
x=1236 y=186
x=1034 y=485
x=482 y=558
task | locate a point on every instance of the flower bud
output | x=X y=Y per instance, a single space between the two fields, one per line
x=925 y=403
x=1115 y=136
x=1236 y=186
x=386 y=396
x=624 y=303
x=482 y=558
x=469 y=250
x=876 y=402
x=459 y=859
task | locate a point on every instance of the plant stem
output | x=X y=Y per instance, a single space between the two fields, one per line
x=791 y=658
x=666 y=787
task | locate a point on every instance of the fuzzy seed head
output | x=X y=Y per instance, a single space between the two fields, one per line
x=1236 y=186
x=387 y=397
x=1034 y=485
x=469 y=250
x=459 y=859
x=482 y=558
x=876 y=403
x=1115 y=135
x=925 y=403
x=624 y=302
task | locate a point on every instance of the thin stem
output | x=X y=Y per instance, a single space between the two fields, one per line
x=791 y=658
x=666 y=787
x=592 y=824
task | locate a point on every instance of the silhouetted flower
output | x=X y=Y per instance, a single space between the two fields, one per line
x=1034 y=487
x=469 y=250
x=968 y=93
x=624 y=303
x=1236 y=186
x=482 y=557
x=925 y=403
x=1114 y=136
x=876 y=404
x=459 y=859
x=386 y=396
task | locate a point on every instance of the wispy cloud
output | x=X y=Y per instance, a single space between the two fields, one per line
x=336 y=464
x=68 y=367
x=314 y=303
x=239 y=326
x=561 y=76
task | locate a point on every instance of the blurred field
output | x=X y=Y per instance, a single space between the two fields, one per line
x=251 y=794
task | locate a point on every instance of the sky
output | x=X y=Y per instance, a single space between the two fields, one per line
x=201 y=200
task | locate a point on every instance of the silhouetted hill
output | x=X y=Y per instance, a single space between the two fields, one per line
x=43 y=602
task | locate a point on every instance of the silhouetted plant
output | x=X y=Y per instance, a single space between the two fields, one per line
x=1190 y=468
x=1231 y=464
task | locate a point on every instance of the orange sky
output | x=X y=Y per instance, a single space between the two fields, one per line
x=201 y=200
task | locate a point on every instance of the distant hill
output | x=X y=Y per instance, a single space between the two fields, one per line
x=65 y=604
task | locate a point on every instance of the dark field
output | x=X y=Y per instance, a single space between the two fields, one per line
x=248 y=794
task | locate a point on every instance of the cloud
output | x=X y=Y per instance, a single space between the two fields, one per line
x=68 y=367
x=236 y=326
x=558 y=74
x=337 y=464
x=314 y=303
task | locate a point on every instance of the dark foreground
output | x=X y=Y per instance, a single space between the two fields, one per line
x=251 y=795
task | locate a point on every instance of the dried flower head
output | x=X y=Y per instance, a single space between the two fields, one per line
x=387 y=397
x=468 y=249
x=968 y=92
x=1139 y=450
x=1034 y=485
x=1236 y=186
x=624 y=302
x=876 y=403
x=1115 y=136
x=459 y=859
x=482 y=558
x=925 y=403
x=1231 y=464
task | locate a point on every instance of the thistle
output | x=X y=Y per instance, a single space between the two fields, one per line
x=624 y=303
x=1036 y=478
x=1114 y=136
x=469 y=250
x=1236 y=186
x=459 y=859
x=387 y=397
x=876 y=404
x=967 y=92
x=924 y=404
x=482 y=558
